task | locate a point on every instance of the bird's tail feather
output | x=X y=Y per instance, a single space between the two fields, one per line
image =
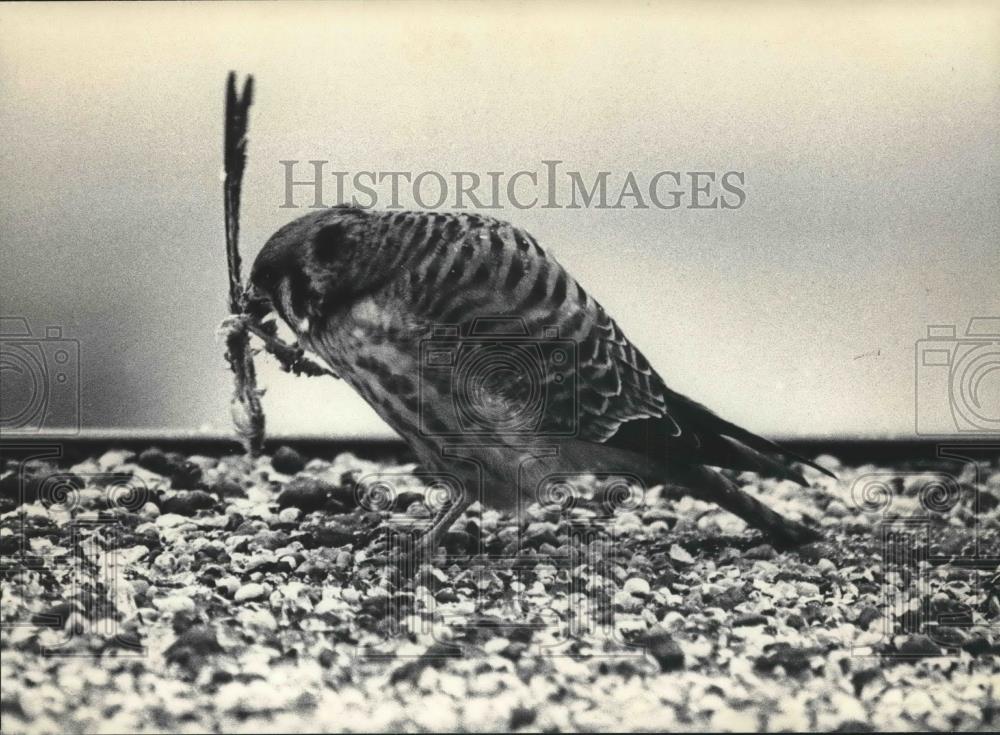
x=724 y=451
x=707 y=422
x=706 y=484
x=696 y=480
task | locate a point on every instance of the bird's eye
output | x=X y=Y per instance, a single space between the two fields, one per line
x=265 y=277
x=328 y=242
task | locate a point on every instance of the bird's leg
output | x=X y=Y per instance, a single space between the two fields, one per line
x=427 y=544
x=423 y=547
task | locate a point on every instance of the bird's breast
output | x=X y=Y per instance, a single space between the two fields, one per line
x=369 y=348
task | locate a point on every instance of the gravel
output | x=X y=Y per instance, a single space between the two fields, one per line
x=236 y=595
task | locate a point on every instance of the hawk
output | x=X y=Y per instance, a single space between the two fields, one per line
x=495 y=365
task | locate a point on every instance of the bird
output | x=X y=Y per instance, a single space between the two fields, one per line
x=496 y=366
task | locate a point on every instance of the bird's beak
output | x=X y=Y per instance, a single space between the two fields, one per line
x=256 y=303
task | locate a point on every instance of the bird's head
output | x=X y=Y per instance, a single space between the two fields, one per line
x=311 y=266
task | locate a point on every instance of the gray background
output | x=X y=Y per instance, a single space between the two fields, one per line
x=868 y=135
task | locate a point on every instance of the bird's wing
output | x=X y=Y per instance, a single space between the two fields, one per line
x=469 y=270
x=624 y=403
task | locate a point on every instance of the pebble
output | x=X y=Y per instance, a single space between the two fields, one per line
x=187 y=502
x=113 y=459
x=978 y=644
x=446 y=595
x=795 y=621
x=270 y=540
x=538 y=529
x=792 y=660
x=658 y=528
x=627 y=602
x=165 y=563
x=659 y=514
x=263 y=561
x=867 y=616
x=664 y=649
x=765 y=570
x=327 y=658
x=764 y=551
x=546 y=538
x=700 y=611
x=680 y=555
x=255 y=697
x=171 y=520
x=329 y=605
x=807 y=589
x=227 y=584
x=815 y=551
x=743 y=621
x=729 y=598
x=328 y=535
x=195 y=642
x=918 y=704
x=183 y=475
x=226 y=488
x=825 y=566
x=637 y=586
x=203 y=462
x=836 y=509
x=251 y=591
x=521 y=717
x=918 y=646
x=289 y=515
x=288 y=461
x=174 y=604
x=305 y=493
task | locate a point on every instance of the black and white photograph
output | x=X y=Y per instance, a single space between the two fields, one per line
x=403 y=367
